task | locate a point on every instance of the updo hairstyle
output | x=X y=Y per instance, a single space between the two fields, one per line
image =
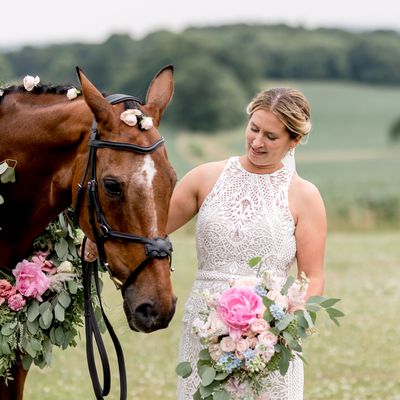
x=289 y=106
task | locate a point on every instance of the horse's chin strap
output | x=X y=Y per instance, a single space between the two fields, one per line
x=158 y=247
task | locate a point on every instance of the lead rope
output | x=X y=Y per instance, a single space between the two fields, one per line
x=92 y=329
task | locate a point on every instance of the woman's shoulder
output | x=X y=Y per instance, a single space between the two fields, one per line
x=208 y=169
x=304 y=196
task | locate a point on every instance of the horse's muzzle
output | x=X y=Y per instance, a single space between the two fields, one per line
x=148 y=316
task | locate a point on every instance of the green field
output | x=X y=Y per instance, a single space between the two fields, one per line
x=358 y=361
x=348 y=154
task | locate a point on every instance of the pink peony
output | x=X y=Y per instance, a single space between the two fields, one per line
x=31 y=281
x=39 y=258
x=16 y=302
x=6 y=289
x=239 y=308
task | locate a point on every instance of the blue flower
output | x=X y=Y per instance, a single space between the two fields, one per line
x=277 y=311
x=261 y=291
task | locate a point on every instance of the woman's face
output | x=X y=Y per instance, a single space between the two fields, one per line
x=267 y=140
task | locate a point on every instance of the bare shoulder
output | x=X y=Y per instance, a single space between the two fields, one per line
x=304 y=197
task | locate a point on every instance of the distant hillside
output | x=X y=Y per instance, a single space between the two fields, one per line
x=214 y=64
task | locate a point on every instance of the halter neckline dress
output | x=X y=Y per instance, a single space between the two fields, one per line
x=244 y=216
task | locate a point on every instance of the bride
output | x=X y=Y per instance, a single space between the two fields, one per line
x=254 y=205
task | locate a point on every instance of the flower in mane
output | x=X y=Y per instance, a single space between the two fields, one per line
x=73 y=93
x=30 y=82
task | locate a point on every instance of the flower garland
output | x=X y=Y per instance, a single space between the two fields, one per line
x=41 y=303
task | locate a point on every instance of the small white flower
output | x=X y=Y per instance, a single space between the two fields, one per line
x=1 y=92
x=30 y=82
x=73 y=93
x=65 y=267
x=146 y=123
x=129 y=117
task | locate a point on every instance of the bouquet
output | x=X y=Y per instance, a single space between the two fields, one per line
x=253 y=328
x=41 y=303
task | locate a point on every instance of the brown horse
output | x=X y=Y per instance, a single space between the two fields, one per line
x=48 y=135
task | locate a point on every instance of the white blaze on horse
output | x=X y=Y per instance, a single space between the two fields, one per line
x=130 y=184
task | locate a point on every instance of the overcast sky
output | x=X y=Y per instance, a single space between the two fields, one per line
x=52 y=21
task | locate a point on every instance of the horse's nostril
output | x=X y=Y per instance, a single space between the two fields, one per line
x=145 y=312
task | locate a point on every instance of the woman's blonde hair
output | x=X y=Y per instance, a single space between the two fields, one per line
x=289 y=106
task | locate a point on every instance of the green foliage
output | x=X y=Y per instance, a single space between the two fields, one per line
x=394 y=132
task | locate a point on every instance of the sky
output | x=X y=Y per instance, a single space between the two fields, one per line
x=42 y=22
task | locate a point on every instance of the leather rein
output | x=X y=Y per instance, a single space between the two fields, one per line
x=158 y=247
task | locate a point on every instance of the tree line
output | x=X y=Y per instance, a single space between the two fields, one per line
x=218 y=69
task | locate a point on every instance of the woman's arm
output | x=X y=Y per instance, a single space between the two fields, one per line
x=184 y=201
x=310 y=235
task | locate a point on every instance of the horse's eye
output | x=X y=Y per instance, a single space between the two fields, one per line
x=112 y=187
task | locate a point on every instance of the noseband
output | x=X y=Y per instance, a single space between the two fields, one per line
x=154 y=247
x=158 y=247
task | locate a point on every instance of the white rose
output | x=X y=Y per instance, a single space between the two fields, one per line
x=30 y=82
x=146 y=123
x=242 y=345
x=129 y=117
x=72 y=93
x=216 y=325
x=278 y=298
x=65 y=267
x=79 y=236
x=259 y=325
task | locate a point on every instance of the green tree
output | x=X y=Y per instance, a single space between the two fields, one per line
x=394 y=131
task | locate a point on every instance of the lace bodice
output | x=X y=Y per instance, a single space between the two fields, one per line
x=244 y=216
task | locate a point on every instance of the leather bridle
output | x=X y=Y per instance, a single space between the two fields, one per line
x=158 y=247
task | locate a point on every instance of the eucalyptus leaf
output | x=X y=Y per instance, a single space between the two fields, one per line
x=289 y=282
x=29 y=349
x=316 y=299
x=59 y=334
x=184 y=369
x=283 y=323
x=61 y=248
x=329 y=302
x=36 y=345
x=253 y=262
x=8 y=328
x=313 y=307
x=27 y=362
x=204 y=355
x=284 y=361
x=45 y=319
x=334 y=312
x=221 y=376
x=73 y=287
x=33 y=311
x=59 y=312
x=64 y=299
x=45 y=306
x=221 y=395
x=33 y=326
x=308 y=319
x=208 y=376
x=5 y=348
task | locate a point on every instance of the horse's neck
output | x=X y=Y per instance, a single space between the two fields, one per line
x=46 y=142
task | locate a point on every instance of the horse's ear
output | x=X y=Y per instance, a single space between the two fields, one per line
x=100 y=107
x=160 y=92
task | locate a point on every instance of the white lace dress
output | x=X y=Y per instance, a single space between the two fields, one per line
x=245 y=215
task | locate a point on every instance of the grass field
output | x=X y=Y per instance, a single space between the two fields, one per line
x=358 y=361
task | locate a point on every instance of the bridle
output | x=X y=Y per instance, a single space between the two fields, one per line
x=158 y=247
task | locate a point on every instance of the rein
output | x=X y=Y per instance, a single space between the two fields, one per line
x=157 y=247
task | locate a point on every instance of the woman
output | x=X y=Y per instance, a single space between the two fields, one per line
x=251 y=206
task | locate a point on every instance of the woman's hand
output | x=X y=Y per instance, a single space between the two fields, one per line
x=91 y=253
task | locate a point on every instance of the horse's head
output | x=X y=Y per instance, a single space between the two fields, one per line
x=130 y=185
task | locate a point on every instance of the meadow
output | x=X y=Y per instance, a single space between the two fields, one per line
x=358 y=361
x=349 y=157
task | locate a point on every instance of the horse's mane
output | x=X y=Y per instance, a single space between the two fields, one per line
x=39 y=89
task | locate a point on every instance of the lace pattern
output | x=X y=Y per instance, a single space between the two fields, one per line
x=245 y=215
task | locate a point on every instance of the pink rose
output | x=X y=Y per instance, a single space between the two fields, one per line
x=215 y=351
x=238 y=308
x=242 y=345
x=259 y=325
x=228 y=344
x=268 y=338
x=6 y=289
x=16 y=302
x=31 y=281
